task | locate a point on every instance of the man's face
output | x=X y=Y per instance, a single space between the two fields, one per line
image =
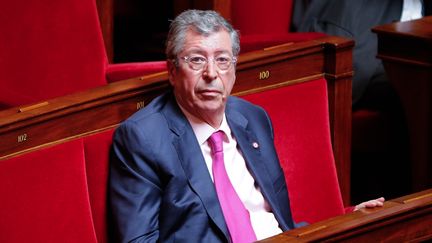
x=204 y=92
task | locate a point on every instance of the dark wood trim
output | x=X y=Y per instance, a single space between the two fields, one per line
x=405 y=219
x=106 y=19
x=406 y=51
x=338 y=71
x=223 y=7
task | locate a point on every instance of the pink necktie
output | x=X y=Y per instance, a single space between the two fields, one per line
x=235 y=214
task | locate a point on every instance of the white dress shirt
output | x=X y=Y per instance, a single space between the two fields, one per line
x=263 y=221
x=412 y=9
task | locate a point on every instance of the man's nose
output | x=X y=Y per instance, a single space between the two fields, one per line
x=210 y=71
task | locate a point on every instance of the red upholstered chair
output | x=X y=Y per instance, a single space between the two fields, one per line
x=302 y=136
x=263 y=24
x=44 y=196
x=96 y=149
x=58 y=193
x=377 y=137
x=52 y=48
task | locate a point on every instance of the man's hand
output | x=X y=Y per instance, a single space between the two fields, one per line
x=370 y=204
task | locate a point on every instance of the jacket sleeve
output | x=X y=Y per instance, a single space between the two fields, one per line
x=134 y=186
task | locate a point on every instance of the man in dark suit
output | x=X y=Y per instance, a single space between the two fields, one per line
x=355 y=19
x=161 y=185
x=170 y=181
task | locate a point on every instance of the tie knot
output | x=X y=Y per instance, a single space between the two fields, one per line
x=215 y=141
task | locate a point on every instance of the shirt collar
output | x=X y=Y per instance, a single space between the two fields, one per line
x=203 y=130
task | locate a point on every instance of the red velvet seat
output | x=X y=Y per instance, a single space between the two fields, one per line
x=52 y=48
x=302 y=136
x=44 y=196
x=96 y=150
x=264 y=24
x=61 y=190
x=57 y=193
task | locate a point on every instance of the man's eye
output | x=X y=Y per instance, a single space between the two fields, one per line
x=197 y=59
x=222 y=59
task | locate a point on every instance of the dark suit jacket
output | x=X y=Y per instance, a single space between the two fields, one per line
x=160 y=187
x=353 y=19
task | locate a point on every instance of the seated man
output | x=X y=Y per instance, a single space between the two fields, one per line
x=355 y=19
x=197 y=165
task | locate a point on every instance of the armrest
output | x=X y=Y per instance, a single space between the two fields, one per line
x=403 y=219
x=255 y=42
x=122 y=71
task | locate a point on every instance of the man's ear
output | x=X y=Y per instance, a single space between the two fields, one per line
x=172 y=69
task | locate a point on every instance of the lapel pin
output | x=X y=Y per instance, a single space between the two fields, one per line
x=255 y=145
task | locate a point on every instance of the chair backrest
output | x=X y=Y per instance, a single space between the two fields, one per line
x=49 y=49
x=59 y=192
x=300 y=118
x=44 y=196
x=96 y=150
x=260 y=17
x=263 y=24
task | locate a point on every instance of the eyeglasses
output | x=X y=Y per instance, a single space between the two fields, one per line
x=197 y=62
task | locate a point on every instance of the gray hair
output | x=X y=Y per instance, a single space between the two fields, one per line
x=204 y=22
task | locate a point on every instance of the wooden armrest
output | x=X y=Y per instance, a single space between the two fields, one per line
x=403 y=219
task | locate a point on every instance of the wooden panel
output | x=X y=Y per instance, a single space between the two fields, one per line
x=338 y=72
x=223 y=7
x=405 y=219
x=28 y=128
x=106 y=14
x=406 y=51
x=76 y=114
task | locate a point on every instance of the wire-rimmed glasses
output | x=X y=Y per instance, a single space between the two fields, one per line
x=198 y=62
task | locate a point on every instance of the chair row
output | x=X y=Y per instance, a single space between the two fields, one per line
x=61 y=50
x=54 y=154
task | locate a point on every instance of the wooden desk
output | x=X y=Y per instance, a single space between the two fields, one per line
x=403 y=219
x=406 y=51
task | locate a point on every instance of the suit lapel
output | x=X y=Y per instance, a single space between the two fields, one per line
x=255 y=160
x=193 y=163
